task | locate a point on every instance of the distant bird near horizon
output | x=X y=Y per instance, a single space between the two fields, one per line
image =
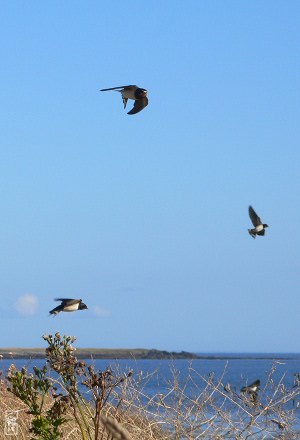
x=259 y=227
x=138 y=94
x=68 y=305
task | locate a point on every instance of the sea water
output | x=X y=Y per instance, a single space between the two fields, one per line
x=157 y=377
x=237 y=370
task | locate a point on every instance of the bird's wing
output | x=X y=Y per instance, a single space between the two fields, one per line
x=248 y=388
x=68 y=301
x=254 y=217
x=139 y=104
x=116 y=88
x=255 y=384
x=56 y=310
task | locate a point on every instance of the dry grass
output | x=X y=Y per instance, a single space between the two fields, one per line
x=191 y=408
x=115 y=428
x=213 y=412
x=8 y=402
x=113 y=420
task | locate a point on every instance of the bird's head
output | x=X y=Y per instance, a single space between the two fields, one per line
x=82 y=306
x=141 y=93
x=265 y=226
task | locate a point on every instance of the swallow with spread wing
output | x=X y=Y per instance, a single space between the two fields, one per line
x=252 y=388
x=137 y=94
x=68 y=305
x=259 y=227
x=252 y=391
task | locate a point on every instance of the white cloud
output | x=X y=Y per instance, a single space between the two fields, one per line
x=27 y=304
x=98 y=311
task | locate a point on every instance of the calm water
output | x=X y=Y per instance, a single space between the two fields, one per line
x=157 y=377
x=238 y=372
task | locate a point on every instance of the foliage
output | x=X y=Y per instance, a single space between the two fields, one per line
x=35 y=388
x=192 y=407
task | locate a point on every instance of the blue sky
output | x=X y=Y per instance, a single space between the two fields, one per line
x=145 y=217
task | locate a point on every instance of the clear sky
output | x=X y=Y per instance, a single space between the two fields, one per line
x=145 y=217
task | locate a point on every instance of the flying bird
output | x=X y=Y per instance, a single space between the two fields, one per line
x=252 y=388
x=136 y=93
x=68 y=305
x=259 y=227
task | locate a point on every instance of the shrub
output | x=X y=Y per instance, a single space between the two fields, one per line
x=192 y=407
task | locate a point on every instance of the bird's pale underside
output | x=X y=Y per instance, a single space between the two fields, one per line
x=137 y=94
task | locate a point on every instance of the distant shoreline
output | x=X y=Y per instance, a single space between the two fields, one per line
x=140 y=353
x=99 y=353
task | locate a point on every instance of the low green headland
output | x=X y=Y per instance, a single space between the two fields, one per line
x=99 y=353
x=133 y=353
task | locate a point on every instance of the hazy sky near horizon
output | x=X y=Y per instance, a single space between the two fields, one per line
x=145 y=217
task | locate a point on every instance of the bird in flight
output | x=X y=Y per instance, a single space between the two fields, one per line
x=68 y=305
x=259 y=227
x=252 y=388
x=136 y=93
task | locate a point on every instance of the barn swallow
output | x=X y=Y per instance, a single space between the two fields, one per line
x=68 y=305
x=132 y=92
x=252 y=388
x=259 y=227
